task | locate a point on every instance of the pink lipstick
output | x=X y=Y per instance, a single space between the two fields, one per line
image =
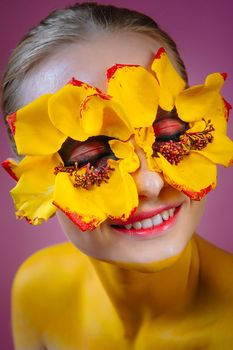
x=149 y=224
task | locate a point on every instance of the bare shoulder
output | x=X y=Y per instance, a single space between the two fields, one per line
x=47 y=285
x=49 y=277
x=51 y=262
x=216 y=266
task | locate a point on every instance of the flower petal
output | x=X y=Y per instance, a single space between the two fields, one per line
x=136 y=90
x=123 y=197
x=220 y=151
x=144 y=138
x=11 y=119
x=33 y=194
x=218 y=116
x=215 y=81
x=153 y=164
x=64 y=109
x=102 y=116
x=197 y=126
x=194 y=103
x=9 y=165
x=202 y=101
x=89 y=208
x=125 y=151
x=194 y=175
x=170 y=82
x=228 y=107
x=32 y=123
x=77 y=203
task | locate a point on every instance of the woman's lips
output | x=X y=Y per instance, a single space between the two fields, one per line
x=151 y=223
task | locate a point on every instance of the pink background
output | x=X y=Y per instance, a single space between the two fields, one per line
x=203 y=31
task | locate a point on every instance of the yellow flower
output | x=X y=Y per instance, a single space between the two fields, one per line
x=79 y=112
x=33 y=194
x=189 y=164
x=78 y=143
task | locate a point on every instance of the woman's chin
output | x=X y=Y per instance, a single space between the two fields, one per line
x=145 y=249
x=141 y=264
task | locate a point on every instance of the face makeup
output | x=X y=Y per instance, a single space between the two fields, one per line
x=173 y=215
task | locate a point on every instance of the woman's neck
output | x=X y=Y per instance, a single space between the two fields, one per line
x=138 y=295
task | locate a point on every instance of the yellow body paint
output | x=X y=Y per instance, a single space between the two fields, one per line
x=62 y=300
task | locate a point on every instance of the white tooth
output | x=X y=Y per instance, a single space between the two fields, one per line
x=137 y=225
x=157 y=220
x=128 y=227
x=147 y=223
x=171 y=212
x=165 y=215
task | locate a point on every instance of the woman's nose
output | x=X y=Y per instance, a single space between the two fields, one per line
x=149 y=183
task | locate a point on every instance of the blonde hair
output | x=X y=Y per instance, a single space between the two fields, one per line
x=69 y=25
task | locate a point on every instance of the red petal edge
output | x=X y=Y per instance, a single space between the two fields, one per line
x=123 y=220
x=29 y=221
x=79 y=83
x=34 y=222
x=160 y=52
x=112 y=70
x=75 y=82
x=6 y=164
x=87 y=99
x=78 y=220
x=224 y=75
x=197 y=196
x=228 y=108
x=11 y=119
x=20 y=215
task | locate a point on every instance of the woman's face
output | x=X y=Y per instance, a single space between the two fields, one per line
x=172 y=215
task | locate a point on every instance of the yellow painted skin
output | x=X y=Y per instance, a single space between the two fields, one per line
x=62 y=300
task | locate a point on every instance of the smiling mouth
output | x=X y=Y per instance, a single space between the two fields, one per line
x=154 y=225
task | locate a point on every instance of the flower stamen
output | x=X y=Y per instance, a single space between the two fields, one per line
x=92 y=175
x=175 y=151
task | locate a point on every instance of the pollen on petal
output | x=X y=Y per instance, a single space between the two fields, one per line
x=77 y=219
x=11 y=119
x=7 y=165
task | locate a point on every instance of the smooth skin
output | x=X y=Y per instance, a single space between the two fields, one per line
x=174 y=291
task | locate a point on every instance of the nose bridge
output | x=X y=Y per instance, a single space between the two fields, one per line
x=149 y=183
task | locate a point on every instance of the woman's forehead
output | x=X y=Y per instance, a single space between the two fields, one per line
x=87 y=61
